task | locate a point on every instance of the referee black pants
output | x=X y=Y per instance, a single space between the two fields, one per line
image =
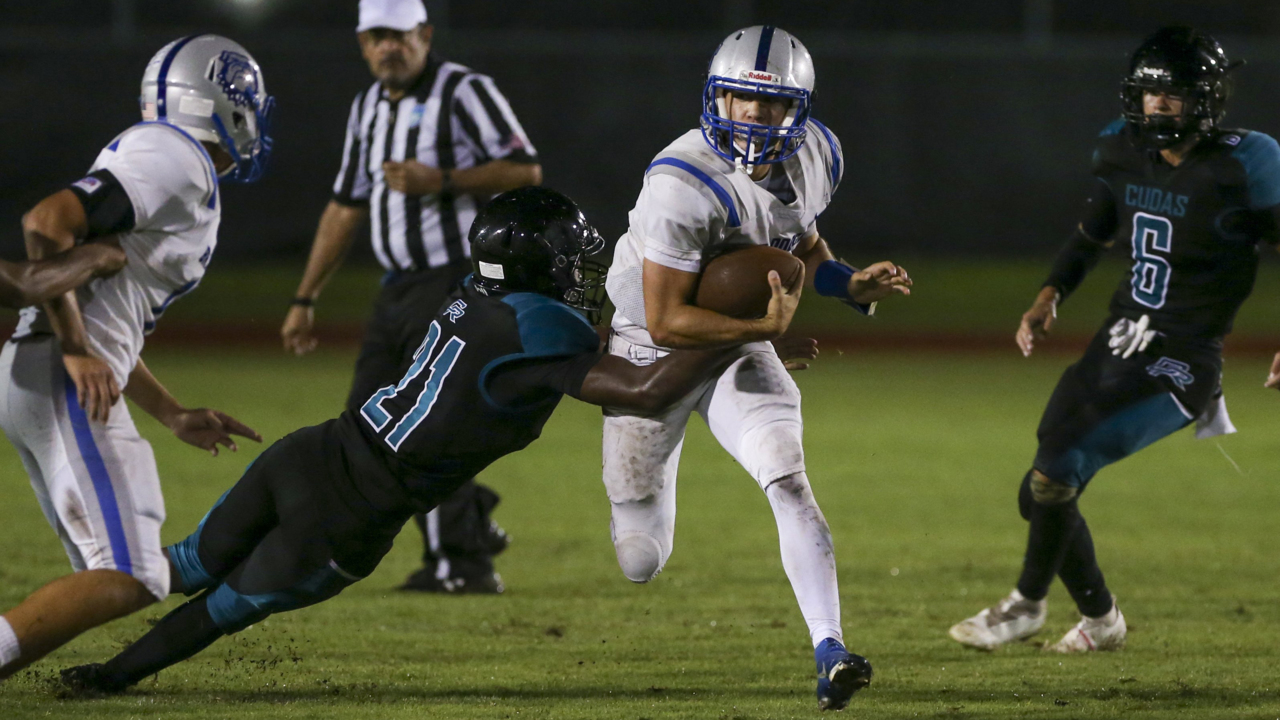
x=456 y=535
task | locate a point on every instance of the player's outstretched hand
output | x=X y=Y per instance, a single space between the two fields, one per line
x=412 y=177
x=96 y=386
x=879 y=281
x=298 y=330
x=1273 y=378
x=1038 y=321
x=207 y=429
x=782 y=306
x=793 y=351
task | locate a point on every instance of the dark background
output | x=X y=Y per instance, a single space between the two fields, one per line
x=967 y=126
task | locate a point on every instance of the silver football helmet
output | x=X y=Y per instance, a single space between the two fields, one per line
x=760 y=60
x=212 y=88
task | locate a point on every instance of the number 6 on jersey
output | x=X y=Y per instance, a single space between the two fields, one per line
x=1151 y=234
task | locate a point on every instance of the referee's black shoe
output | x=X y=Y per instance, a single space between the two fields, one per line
x=483 y=583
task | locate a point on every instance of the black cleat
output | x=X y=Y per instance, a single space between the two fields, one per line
x=495 y=539
x=89 y=681
x=425 y=580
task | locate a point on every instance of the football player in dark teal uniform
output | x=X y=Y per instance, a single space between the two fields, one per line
x=1195 y=201
x=317 y=510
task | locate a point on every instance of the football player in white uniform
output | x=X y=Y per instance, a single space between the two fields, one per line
x=155 y=189
x=759 y=172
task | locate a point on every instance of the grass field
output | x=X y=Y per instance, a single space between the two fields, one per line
x=915 y=459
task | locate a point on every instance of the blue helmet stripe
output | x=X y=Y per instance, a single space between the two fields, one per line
x=161 y=89
x=762 y=52
x=715 y=187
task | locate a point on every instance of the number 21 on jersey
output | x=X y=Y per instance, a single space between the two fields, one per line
x=1152 y=237
x=441 y=364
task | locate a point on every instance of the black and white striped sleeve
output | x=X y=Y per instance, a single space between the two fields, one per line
x=489 y=124
x=353 y=184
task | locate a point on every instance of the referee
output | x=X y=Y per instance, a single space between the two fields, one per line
x=427 y=145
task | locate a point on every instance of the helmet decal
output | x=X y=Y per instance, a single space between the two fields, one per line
x=238 y=79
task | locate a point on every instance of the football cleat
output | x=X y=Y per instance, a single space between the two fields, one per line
x=840 y=674
x=1094 y=634
x=1013 y=618
x=425 y=580
x=90 y=681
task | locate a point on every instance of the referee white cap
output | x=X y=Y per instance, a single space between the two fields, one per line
x=399 y=15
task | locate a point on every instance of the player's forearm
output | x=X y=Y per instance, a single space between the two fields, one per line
x=615 y=382
x=35 y=281
x=690 y=327
x=147 y=393
x=495 y=176
x=337 y=230
x=812 y=257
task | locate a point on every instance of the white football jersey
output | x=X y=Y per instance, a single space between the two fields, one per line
x=173 y=186
x=694 y=201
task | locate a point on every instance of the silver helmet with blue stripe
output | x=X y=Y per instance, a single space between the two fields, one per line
x=761 y=60
x=212 y=88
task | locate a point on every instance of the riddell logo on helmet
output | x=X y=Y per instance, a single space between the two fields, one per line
x=760 y=76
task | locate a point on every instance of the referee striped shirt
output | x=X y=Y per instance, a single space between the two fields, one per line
x=452 y=118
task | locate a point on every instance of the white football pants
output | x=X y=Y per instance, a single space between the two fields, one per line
x=96 y=484
x=753 y=410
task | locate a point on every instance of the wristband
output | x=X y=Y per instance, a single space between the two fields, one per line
x=302 y=302
x=446 y=182
x=832 y=280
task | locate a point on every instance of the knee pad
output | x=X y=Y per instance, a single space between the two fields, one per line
x=1049 y=492
x=639 y=556
x=772 y=452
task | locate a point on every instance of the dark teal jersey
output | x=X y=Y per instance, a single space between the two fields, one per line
x=1193 y=230
x=414 y=442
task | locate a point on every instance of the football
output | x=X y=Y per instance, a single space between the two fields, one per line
x=736 y=283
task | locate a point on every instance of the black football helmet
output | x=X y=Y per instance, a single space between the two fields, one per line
x=1184 y=63
x=535 y=239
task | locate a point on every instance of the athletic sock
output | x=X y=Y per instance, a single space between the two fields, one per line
x=808 y=555
x=1082 y=576
x=185 y=631
x=9 y=650
x=1052 y=527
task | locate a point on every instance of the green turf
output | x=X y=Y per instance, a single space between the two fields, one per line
x=915 y=460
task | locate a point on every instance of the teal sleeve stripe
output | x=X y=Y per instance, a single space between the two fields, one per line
x=1260 y=155
x=1113 y=128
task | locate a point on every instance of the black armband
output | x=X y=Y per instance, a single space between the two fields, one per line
x=107 y=206
x=1077 y=258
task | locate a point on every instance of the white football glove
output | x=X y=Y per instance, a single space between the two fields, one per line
x=1128 y=336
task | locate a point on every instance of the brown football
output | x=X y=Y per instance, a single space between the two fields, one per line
x=736 y=283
